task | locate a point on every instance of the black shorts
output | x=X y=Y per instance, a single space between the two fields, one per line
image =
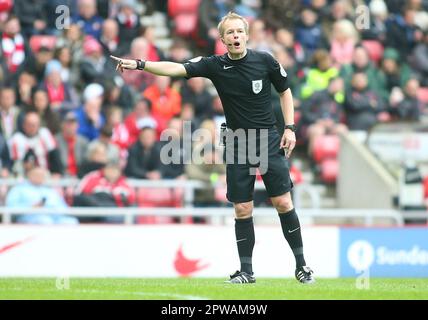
x=276 y=175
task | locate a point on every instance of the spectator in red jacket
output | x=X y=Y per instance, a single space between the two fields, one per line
x=106 y=187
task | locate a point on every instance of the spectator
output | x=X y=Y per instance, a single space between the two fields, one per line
x=140 y=118
x=402 y=33
x=106 y=187
x=194 y=91
x=120 y=133
x=320 y=74
x=26 y=82
x=129 y=23
x=322 y=113
x=210 y=170
x=117 y=93
x=378 y=16
x=63 y=55
x=40 y=104
x=258 y=38
x=362 y=106
x=5 y=161
x=72 y=146
x=308 y=32
x=344 y=39
x=420 y=60
x=174 y=132
x=110 y=39
x=34 y=194
x=105 y=138
x=32 y=16
x=144 y=157
x=361 y=63
x=35 y=145
x=9 y=112
x=94 y=66
x=393 y=73
x=61 y=95
x=407 y=106
x=166 y=101
x=88 y=19
x=138 y=80
x=89 y=115
x=36 y=64
x=13 y=47
x=96 y=158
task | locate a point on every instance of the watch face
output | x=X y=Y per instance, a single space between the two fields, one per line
x=292 y=127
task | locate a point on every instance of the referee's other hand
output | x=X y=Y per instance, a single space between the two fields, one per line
x=122 y=64
x=288 y=142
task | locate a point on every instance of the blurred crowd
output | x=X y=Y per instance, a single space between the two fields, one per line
x=64 y=108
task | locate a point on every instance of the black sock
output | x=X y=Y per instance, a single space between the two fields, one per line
x=292 y=233
x=244 y=231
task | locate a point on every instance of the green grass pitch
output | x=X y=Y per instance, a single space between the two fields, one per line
x=211 y=289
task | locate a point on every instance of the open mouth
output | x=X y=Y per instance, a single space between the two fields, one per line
x=236 y=44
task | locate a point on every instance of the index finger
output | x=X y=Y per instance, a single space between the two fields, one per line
x=115 y=58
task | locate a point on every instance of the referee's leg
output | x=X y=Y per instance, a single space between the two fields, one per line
x=244 y=231
x=292 y=232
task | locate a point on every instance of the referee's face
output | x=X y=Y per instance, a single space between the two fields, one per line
x=234 y=37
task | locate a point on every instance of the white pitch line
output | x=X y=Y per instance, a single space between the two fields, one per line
x=139 y=293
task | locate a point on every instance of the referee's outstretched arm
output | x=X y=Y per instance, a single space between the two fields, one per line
x=160 y=68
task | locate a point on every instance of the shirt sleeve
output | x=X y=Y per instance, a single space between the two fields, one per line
x=198 y=67
x=277 y=75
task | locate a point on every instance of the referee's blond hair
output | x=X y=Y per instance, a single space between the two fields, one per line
x=231 y=15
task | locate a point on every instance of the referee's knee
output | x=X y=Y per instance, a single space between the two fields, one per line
x=243 y=210
x=283 y=204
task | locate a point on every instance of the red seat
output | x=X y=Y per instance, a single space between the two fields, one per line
x=326 y=147
x=177 y=7
x=38 y=41
x=185 y=24
x=6 y=5
x=329 y=170
x=220 y=48
x=158 y=197
x=375 y=50
x=423 y=94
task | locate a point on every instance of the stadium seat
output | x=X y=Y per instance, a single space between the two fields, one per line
x=38 y=41
x=326 y=147
x=329 y=170
x=423 y=94
x=177 y=7
x=185 y=24
x=6 y=5
x=375 y=50
x=158 y=197
x=220 y=48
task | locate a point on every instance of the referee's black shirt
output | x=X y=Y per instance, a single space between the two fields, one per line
x=244 y=86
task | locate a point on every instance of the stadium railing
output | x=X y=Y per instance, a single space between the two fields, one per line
x=217 y=214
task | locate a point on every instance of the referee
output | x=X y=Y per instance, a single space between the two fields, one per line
x=243 y=79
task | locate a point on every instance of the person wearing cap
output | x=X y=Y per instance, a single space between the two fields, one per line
x=393 y=72
x=59 y=92
x=94 y=67
x=72 y=146
x=89 y=116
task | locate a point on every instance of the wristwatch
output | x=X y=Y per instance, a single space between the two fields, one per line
x=292 y=127
x=140 y=64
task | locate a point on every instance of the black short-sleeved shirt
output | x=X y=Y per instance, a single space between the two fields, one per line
x=244 y=86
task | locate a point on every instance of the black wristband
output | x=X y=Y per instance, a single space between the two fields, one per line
x=140 y=64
